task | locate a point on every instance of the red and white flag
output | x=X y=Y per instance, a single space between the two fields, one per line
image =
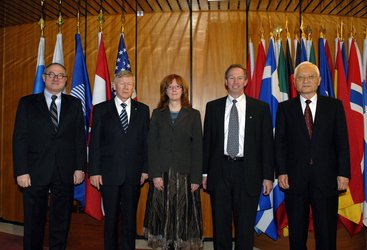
x=101 y=92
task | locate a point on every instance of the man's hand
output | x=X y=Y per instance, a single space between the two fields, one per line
x=342 y=183
x=143 y=177
x=96 y=181
x=78 y=177
x=24 y=180
x=204 y=181
x=268 y=186
x=158 y=183
x=283 y=181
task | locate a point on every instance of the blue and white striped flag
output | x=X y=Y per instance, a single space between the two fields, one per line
x=269 y=93
x=39 y=85
x=80 y=88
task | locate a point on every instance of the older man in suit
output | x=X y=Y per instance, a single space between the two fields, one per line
x=238 y=160
x=49 y=154
x=312 y=159
x=118 y=159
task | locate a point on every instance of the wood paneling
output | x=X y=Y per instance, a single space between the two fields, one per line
x=162 y=47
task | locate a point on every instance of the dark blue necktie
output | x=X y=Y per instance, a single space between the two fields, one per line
x=123 y=117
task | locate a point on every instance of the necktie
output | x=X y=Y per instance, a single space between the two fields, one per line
x=233 y=130
x=308 y=118
x=123 y=117
x=53 y=112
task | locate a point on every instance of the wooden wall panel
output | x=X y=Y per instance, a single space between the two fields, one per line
x=2 y=180
x=162 y=47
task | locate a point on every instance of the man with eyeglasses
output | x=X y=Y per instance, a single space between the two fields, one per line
x=49 y=155
x=312 y=159
x=238 y=160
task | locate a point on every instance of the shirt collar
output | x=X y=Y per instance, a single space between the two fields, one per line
x=118 y=101
x=312 y=99
x=48 y=95
x=239 y=99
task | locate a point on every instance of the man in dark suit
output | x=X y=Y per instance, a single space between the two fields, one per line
x=118 y=159
x=312 y=159
x=49 y=154
x=238 y=160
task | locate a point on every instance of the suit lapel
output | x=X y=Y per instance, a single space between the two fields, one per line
x=220 y=118
x=182 y=115
x=133 y=114
x=41 y=105
x=64 y=109
x=300 y=119
x=321 y=113
x=249 y=123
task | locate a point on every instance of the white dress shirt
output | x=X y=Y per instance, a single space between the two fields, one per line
x=127 y=108
x=312 y=105
x=57 y=102
x=241 y=107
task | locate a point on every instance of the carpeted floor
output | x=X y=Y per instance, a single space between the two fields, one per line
x=11 y=242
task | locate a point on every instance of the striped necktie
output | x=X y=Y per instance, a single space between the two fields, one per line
x=53 y=113
x=123 y=117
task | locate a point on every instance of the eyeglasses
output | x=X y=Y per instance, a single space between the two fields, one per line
x=239 y=78
x=306 y=78
x=176 y=87
x=57 y=76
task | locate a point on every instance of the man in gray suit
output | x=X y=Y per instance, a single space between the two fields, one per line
x=238 y=160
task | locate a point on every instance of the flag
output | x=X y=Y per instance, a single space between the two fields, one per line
x=270 y=94
x=269 y=91
x=252 y=58
x=283 y=86
x=80 y=88
x=289 y=70
x=329 y=59
x=303 y=51
x=344 y=54
x=258 y=71
x=250 y=88
x=364 y=89
x=297 y=53
x=39 y=85
x=326 y=85
x=350 y=209
x=101 y=92
x=58 y=51
x=311 y=57
x=122 y=59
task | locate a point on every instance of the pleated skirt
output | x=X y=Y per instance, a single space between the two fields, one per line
x=173 y=217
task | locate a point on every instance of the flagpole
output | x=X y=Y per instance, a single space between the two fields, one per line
x=41 y=22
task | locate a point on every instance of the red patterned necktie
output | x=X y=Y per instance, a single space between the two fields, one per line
x=308 y=118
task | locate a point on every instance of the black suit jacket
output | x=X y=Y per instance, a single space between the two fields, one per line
x=38 y=151
x=259 y=156
x=328 y=148
x=117 y=156
x=177 y=145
